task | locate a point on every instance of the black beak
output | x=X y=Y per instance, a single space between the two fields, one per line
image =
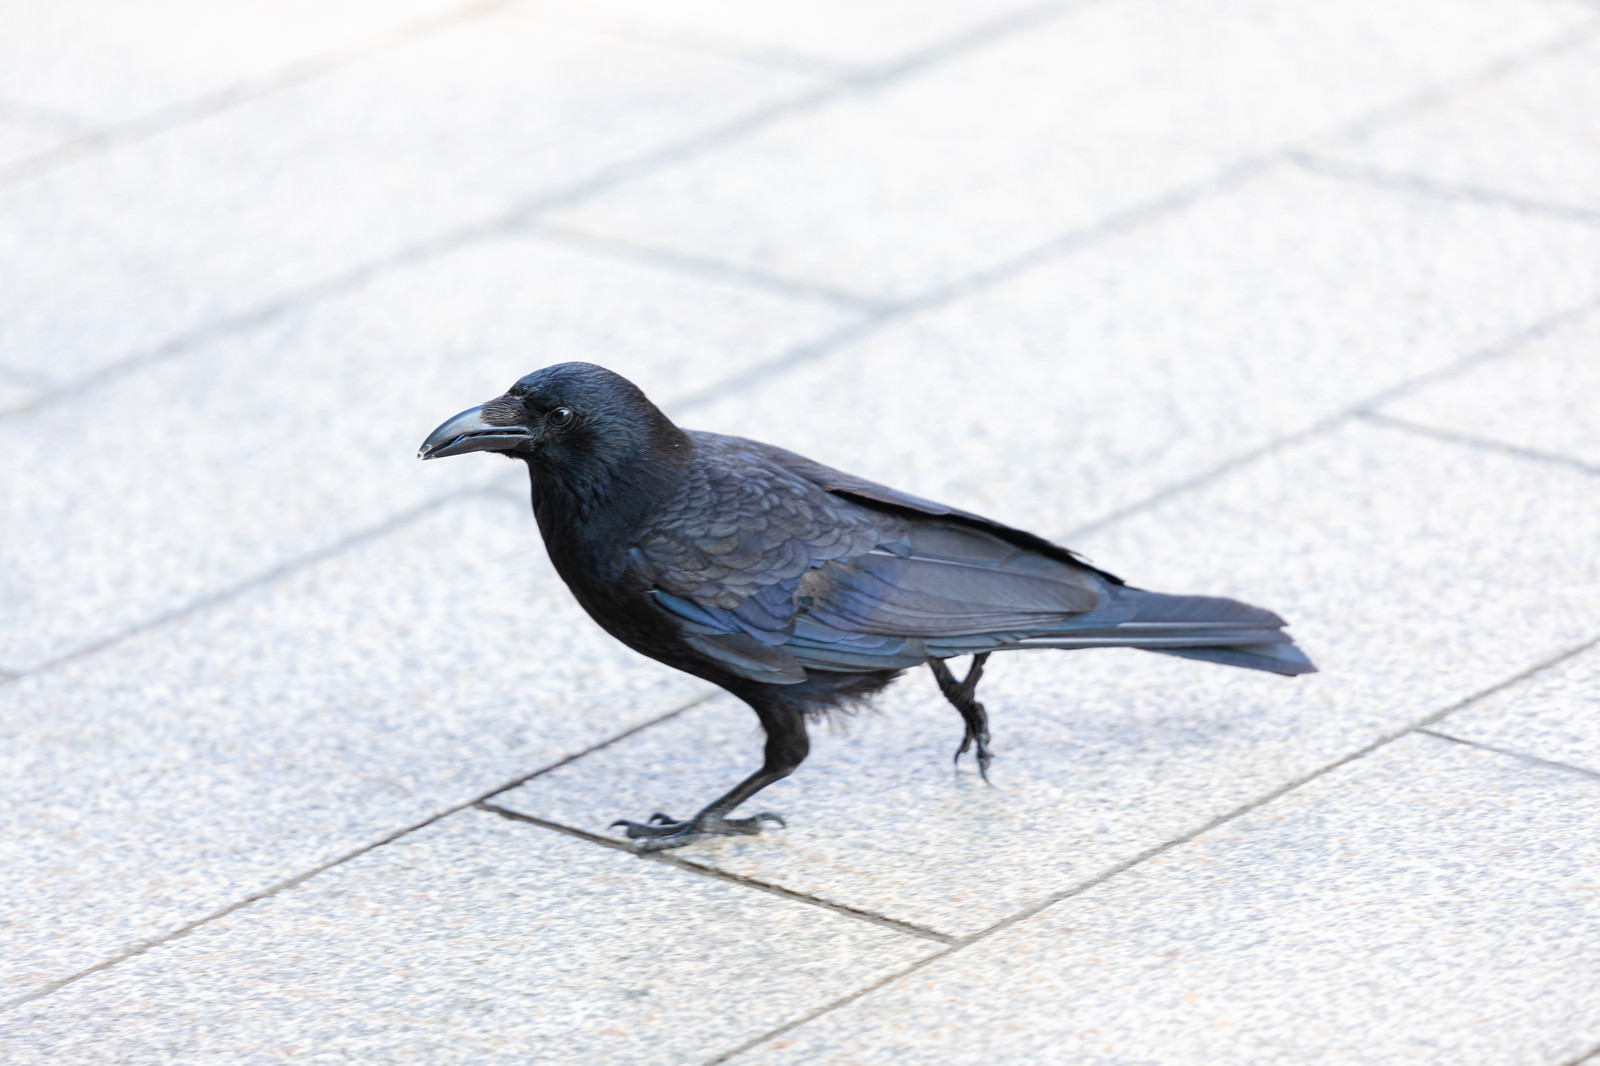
x=468 y=432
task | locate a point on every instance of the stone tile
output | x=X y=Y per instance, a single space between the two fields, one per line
x=474 y=940
x=166 y=485
x=1427 y=903
x=1086 y=384
x=1374 y=543
x=839 y=32
x=189 y=766
x=107 y=63
x=230 y=213
x=1541 y=396
x=15 y=391
x=1553 y=715
x=1530 y=134
x=918 y=183
x=19 y=141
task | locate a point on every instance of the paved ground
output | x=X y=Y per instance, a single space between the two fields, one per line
x=307 y=754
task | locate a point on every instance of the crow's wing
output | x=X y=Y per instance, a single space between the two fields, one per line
x=770 y=573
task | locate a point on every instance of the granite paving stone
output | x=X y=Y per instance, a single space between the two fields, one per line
x=232 y=212
x=849 y=34
x=15 y=391
x=188 y=766
x=500 y=943
x=1553 y=715
x=169 y=484
x=921 y=182
x=1372 y=542
x=1426 y=903
x=20 y=140
x=108 y=63
x=1153 y=356
x=1530 y=134
x=1542 y=396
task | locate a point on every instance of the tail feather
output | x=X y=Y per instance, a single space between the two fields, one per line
x=1208 y=628
x=1285 y=659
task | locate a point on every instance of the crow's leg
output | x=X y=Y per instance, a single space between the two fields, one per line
x=787 y=746
x=963 y=694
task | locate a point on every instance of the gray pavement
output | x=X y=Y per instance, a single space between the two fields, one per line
x=306 y=753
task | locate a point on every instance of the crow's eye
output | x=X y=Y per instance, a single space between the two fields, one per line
x=559 y=416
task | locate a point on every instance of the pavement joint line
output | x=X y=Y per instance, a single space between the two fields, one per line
x=1403 y=181
x=1501 y=348
x=520 y=217
x=1172 y=201
x=1451 y=88
x=392 y=524
x=719 y=47
x=700 y=266
x=183 y=112
x=1522 y=756
x=52 y=987
x=1361 y=410
x=1418 y=726
x=1481 y=443
x=1584 y=1058
x=514 y=218
x=220 y=329
x=608 y=177
x=856 y=914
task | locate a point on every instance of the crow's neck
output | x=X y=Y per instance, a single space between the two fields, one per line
x=589 y=518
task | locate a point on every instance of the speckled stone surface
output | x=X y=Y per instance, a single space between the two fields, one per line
x=473 y=940
x=105 y=63
x=1427 y=903
x=19 y=141
x=1529 y=134
x=1542 y=397
x=284 y=439
x=930 y=179
x=844 y=34
x=1554 y=715
x=184 y=768
x=1293 y=303
x=15 y=392
x=1103 y=755
x=281 y=193
x=1157 y=354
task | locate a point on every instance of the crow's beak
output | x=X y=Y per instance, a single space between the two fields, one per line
x=468 y=432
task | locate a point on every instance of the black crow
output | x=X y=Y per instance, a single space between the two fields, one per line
x=799 y=588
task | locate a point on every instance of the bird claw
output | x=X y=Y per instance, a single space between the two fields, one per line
x=983 y=755
x=661 y=832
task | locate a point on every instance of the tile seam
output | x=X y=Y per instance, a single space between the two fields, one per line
x=287 y=568
x=1520 y=756
x=176 y=115
x=285 y=884
x=1451 y=191
x=910 y=929
x=1107 y=874
x=1469 y=440
x=508 y=221
x=696 y=266
x=521 y=216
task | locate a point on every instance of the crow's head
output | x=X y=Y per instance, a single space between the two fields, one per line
x=576 y=421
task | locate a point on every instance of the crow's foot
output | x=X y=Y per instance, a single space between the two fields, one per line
x=662 y=832
x=980 y=738
x=963 y=696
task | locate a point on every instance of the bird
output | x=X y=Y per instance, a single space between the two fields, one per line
x=801 y=589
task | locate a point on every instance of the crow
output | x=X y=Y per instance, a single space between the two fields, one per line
x=801 y=589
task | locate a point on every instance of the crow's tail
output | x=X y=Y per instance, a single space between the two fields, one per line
x=1194 y=627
